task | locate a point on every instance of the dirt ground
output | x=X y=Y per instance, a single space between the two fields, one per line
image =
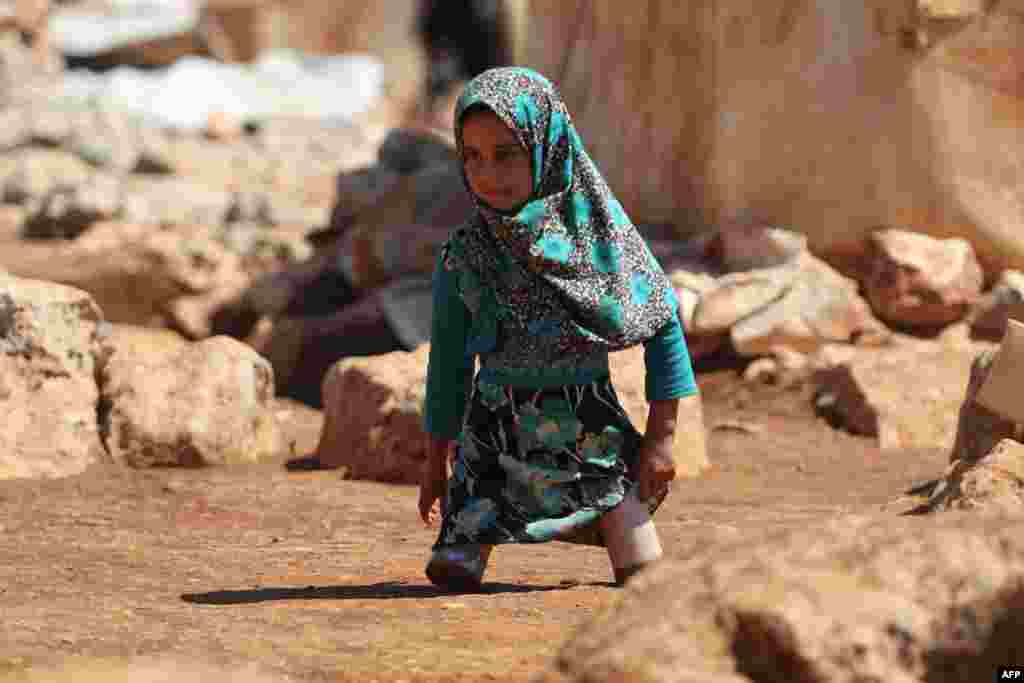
x=316 y=578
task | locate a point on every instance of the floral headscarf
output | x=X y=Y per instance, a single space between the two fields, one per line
x=569 y=263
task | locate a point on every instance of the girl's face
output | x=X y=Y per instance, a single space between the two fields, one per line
x=497 y=167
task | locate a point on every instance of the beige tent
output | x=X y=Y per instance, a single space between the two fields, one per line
x=833 y=117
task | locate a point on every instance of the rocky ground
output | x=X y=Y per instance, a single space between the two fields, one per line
x=312 y=577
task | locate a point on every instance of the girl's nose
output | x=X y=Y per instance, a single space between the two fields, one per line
x=487 y=172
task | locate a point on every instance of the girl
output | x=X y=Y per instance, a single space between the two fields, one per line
x=543 y=281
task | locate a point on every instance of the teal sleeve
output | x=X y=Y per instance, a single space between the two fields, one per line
x=450 y=368
x=667 y=360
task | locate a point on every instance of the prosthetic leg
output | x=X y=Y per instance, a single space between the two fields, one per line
x=631 y=538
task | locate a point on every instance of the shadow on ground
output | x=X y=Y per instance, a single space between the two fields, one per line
x=387 y=590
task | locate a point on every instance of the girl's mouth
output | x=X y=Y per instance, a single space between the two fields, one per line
x=500 y=198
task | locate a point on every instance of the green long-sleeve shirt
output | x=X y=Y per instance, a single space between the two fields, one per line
x=669 y=373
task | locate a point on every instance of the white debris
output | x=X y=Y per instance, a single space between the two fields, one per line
x=279 y=83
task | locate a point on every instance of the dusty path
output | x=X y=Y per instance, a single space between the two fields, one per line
x=320 y=578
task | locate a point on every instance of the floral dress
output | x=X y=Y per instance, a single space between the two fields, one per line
x=534 y=463
x=539 y=465
x=540 y=296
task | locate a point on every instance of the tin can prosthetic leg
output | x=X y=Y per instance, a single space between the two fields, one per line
x=631 y=538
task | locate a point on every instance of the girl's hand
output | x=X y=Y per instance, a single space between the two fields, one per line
x=433 y=487
x=656 y=466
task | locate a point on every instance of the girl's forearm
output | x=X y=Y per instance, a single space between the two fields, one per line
x=661 y=419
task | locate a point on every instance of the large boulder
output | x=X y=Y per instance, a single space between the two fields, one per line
x=835 y=118
x=736 y=296
x=890 y=600
x=880 y=392
x=761 y=289
x=915 y=280
x=782 y=297
x=50 y=353
x=171 y=402
x=373 y=415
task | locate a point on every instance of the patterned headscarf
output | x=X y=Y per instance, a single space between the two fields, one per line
x=569 y=263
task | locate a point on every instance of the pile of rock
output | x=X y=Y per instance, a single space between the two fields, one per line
x=76 y=390
x=912 y=306
x=95 y=198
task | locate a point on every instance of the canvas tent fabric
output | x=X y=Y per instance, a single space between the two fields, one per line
x=831 y=117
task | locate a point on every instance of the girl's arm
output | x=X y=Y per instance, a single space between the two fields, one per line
x=449 y=373
x=669 y=377
x=668 y=367
x=661 y=420
x=449 y=369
